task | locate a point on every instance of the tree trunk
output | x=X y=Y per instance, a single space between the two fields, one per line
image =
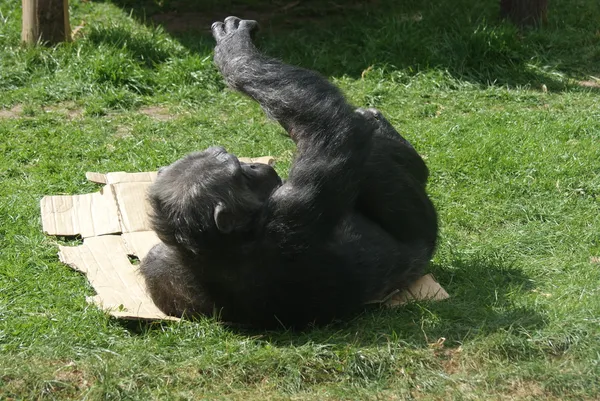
x=524 y=12
x=46 y=21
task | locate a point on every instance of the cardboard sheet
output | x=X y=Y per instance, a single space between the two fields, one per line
x=140 y=243
x=87 y=215
x=424 y=288
x=115 y=228
x=120 y=290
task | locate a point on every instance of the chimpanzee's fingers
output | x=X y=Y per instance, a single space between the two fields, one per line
x=249 y=24
x=231 y=23
x=218 y=30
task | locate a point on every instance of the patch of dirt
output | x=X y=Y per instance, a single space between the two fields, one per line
x=14 y=112
x=68 y=109
x=13 y=384
x=274 y=14
x=123 y=131
x=157 y=112
x=450 y=359
x=526 y=390
x=178 y=22
x=590 y=84
x=71 y=375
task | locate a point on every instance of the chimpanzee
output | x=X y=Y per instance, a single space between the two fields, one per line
x=351 y=224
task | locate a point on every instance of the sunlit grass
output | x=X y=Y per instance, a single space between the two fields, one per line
x=510 y=137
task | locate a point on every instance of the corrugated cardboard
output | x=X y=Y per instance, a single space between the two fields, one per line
x=120 y=290
x=115 y=228
x=424 y=288
x=86 y=215
x=140 y=243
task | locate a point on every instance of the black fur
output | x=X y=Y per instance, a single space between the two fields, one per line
x=352 y=222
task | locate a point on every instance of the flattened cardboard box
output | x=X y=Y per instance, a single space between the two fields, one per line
x=115 y=227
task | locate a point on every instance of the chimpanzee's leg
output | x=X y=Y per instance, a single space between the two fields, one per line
x=393 y=191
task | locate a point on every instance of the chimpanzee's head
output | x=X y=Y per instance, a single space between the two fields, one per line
x=208 y=193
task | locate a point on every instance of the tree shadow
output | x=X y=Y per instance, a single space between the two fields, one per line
x=349 y=37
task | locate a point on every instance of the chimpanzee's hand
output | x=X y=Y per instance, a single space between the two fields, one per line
x=233 y=26
x=234 y=49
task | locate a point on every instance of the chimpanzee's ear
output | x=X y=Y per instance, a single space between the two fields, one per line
x=224 y=218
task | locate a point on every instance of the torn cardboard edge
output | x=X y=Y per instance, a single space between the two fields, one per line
x=115 y=228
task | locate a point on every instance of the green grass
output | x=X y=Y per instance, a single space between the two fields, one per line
x=515 y=174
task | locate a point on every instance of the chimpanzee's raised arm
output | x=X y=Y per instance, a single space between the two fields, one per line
x=303 y=102
x=333 y=140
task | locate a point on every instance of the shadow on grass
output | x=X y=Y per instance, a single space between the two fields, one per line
x=347 y=37
x=481 y=303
